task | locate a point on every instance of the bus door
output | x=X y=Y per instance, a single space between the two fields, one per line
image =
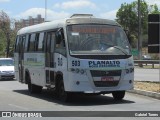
x=21 y=58
x=49 y=58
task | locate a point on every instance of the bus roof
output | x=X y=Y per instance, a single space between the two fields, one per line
x=62 y=23
x=42 y=27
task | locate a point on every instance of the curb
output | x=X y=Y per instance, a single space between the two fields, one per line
x=146 y=93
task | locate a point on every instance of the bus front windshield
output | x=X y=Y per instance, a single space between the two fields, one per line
x=97 y=39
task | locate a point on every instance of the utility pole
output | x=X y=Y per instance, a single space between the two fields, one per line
x=139 y=30
x=45 y=10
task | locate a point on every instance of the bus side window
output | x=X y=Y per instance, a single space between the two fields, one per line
x=41 y=42
x=36 y=42
x=48 y=43
x=52 y=41
x=26 y=43
x=19 y=44
x=16 y=45
x=32 y=42
x=23 y=42
x=60 y=42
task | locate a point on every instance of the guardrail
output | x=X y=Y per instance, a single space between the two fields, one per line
x=141 y=62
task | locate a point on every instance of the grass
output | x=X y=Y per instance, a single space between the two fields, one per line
x=147 y=86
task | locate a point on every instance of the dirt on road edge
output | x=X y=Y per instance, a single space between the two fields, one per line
x=147 y=86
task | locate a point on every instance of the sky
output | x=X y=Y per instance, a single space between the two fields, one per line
x=59 y=9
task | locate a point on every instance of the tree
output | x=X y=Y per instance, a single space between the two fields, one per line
x=5 y=27
x=1 y=43
x=6 y=31
x=153 y=9
x=127 y=16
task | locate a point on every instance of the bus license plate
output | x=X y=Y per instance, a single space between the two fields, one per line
x=107 y=79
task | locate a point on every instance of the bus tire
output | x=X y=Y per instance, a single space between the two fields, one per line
x=118 y=95
x=62 y=94
x=33 y=88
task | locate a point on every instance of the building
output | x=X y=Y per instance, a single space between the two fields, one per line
x=28 y=22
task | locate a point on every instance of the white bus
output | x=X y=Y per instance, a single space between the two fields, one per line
x=81 y=54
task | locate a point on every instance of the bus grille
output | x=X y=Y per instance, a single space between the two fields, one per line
x=100 y=74
x=97 y=73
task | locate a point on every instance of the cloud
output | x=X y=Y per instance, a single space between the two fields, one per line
x=51 y=15
x=75 y=4
x=109 y=15
x=1 y=1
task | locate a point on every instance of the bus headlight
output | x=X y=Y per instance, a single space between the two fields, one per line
x=77 y=70
x=130 y=70
x=127 y=71
x=82 y=71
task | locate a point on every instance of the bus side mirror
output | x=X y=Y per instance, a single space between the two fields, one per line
x=59 y=36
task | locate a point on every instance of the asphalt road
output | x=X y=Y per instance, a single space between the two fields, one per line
x=142 y=74
x=14 y=96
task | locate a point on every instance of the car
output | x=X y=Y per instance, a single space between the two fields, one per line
x=146 y=57
x=7 y=68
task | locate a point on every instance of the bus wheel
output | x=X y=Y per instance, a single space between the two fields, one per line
x=118 y=95
x=62 y=94
x=34 y=88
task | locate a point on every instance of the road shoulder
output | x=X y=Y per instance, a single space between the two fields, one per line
x=146 y=93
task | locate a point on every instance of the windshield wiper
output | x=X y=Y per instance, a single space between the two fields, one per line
x=119 y=48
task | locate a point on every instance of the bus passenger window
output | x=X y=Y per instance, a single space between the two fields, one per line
x=41 y=42
x=60 y=43
x=52 y=41
x=26 y=43
x=16 y=45
x=32 y=42
x=36 y=42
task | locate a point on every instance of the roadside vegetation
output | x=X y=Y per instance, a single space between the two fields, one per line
x=127 y=16
x=7 y=35
x=147 y=86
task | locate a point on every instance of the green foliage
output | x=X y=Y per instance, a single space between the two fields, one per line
x=12 y=38
x=127 y=16
x=153 y=9
x=145 y=40
x=133 y=40
x=2 y=43
x=7 y=35
x=155 y=56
